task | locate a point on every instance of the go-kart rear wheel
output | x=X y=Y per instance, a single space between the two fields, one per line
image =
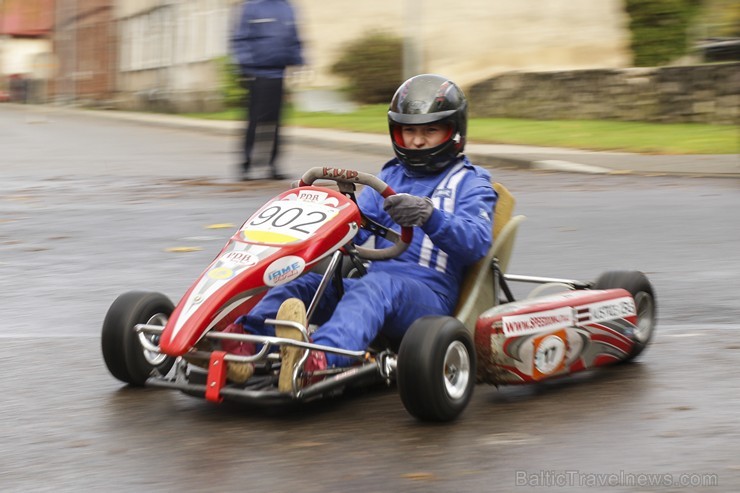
x=125 y=357
x=436 y=368
x=646 y=307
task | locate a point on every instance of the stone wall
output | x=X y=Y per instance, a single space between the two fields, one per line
x=701 y=93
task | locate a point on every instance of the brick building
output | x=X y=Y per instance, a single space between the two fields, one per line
x=86 y=51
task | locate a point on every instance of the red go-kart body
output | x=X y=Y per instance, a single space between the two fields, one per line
x=491 y=338
x=284 y=238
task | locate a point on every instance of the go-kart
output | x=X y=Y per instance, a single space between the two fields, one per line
x=492 y=338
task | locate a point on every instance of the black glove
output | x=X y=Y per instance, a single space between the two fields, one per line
x=408 y=210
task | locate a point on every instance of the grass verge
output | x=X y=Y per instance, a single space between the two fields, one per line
x=639 y=137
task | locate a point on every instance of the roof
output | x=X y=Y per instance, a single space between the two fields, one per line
x=26 y=18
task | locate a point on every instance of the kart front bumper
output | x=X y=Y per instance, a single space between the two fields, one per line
x=261 y=389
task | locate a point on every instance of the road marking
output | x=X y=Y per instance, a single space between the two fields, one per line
x=556 y=165
x=697 y=327
x=49 y=336
x=202 y=238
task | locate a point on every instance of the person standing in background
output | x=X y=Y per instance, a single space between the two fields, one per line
x=265 y=42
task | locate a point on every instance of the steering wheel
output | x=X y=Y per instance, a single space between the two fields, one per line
x=400 y=241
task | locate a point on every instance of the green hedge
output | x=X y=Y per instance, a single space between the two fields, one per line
x=233 y=89
x=660 y=29
x=372 y=66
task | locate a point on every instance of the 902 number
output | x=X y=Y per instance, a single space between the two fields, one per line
x=279 y=218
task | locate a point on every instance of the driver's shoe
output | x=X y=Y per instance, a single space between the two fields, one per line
x=316 y=362
x=235 y=371
x=292 y=310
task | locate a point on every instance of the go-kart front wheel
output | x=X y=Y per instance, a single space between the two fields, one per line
x=646 y=307
x=125 y=357
x=436 y=368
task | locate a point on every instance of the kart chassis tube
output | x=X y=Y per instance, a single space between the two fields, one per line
x=336 y=258
x=501 y=282
x=267 y=341
x=355 y=374
x=547 y=280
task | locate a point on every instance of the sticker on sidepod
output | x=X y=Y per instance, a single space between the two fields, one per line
x=530 y=323
x=549 y=354
x=606 y=310
x=283 y=270
x=221 y=273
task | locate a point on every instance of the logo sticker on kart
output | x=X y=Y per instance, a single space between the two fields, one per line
x=283 y=270
x=549 y=354
x=313 y=196
x=518 y=325
x=347 y=174
x=287 y=221
x=606 y=310
x=241 y=259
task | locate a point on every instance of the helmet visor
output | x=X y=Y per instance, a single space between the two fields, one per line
x=418 y=118
x=399 y=138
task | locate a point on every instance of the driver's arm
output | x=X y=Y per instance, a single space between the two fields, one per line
x=463 y=230
x=466 y=231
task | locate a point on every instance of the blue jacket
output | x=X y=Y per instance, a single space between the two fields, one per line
x=266 y=39
x=458 y=232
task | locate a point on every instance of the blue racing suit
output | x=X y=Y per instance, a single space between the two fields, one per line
x=424 y=280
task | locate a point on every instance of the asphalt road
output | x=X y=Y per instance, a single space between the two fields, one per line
x=90 y=209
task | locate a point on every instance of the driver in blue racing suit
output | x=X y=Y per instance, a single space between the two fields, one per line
x=447 y=200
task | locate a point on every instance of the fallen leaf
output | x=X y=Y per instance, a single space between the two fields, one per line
x=183 y=249
x=419 y=476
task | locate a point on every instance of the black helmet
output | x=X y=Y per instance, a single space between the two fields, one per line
x=422 y=100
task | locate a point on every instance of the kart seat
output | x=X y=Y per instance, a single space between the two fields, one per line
x=477 y=292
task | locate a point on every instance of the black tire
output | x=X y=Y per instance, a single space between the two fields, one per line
x=646 y=306
x=125 y=357
x=436 y=368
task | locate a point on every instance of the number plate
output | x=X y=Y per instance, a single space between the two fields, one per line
x=286 y=221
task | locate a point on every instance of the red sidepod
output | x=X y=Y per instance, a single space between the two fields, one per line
x=550 y=336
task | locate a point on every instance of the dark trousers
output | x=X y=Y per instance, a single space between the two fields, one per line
x=261 y=142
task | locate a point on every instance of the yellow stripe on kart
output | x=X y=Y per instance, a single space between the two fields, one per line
x=268 y=237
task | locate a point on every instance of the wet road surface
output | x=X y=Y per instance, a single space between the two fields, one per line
x=74 y=235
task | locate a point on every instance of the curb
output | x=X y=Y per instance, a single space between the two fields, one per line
x=493 y=156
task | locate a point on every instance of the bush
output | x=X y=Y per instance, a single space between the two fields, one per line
x=720 y=18
x=233 y=89
x=660 y=29
x=372 y=65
